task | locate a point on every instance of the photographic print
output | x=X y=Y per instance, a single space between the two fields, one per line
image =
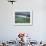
x=23 y=18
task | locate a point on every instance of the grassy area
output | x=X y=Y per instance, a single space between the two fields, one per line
x=22 y=20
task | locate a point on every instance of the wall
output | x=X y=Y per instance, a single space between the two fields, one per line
x=7 y=28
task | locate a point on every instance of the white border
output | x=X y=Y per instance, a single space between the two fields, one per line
x=31 y=19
